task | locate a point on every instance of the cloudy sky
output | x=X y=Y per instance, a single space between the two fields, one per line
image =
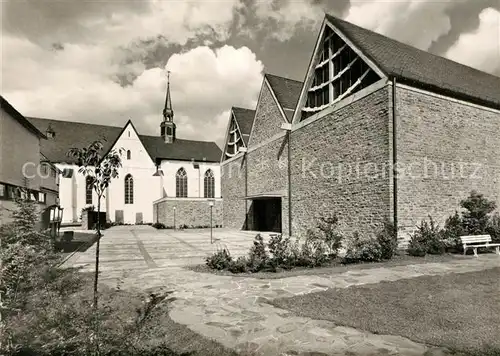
x=103 y=61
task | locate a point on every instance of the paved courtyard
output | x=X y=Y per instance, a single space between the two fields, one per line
x=143 y=247
x=235 y=311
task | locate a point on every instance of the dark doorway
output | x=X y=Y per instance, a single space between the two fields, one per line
x=267 y=214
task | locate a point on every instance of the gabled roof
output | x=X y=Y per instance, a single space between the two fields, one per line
x=16 y=115
x=180 y=149
x=244 y=118
x=72 y=134
x=418 y=67
x=77 y=134
x=287 y=91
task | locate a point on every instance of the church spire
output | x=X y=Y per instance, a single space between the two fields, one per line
x=167 y=127
x=168 y=112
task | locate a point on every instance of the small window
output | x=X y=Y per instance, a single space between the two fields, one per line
x=169 y=131
x=3 y=191
x=34 y=196
x=129 y=134
x=129 y=189
x=129 y=154
x=88 y=190
x=42 y=197
x=44 y=170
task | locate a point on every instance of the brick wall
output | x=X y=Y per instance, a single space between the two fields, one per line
x=445 y=149
x=233 y=192
x=268 y=173
x=189 y=211
x=268 y=118
x=327 y=155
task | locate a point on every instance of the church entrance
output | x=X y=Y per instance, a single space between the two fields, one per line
x=267 y=214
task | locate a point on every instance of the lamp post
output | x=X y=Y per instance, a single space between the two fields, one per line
x=174 y=216
x=211 y=203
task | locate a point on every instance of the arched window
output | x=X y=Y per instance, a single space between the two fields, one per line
x=181 y=184
x=88 y=190
x=129 y=189
x=209 y=184
x=129 y=154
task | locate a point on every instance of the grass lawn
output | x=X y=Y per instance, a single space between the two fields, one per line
x=457 y=311
x=335 y=267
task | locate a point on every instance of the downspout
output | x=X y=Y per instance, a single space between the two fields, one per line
x=246 y=189
x=289 y=136
x=394 y=155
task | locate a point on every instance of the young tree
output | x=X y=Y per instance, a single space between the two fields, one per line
x=101 y=170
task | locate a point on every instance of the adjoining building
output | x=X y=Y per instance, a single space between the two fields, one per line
x=24 y=171
x=378 y=130
x=159 y=174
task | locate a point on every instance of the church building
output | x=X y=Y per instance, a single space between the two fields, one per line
x=378 y=130
x=161 y=177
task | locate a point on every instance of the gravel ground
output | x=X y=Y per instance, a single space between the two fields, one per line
x=458 y=311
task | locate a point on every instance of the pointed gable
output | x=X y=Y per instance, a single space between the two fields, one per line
x=238 y=133
x=287 y=92
x=271 y=109
x=418 y=67
x=337 y=70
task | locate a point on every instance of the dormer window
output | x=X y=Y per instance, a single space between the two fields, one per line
x=50 y=133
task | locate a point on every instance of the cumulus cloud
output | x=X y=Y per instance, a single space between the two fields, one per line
x=75 y=61
x=287 y=16
x=480 y=48
x=75 y=84
x=418 y=23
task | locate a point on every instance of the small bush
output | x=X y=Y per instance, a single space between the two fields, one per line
x=363 y=250
x=328 y=226
x=387 y=239
x=493 y=228
x=427 y=239
x=159 y=225
x=220 y=260
x=453 y=229
x=476 y=217
x=240 y=265
x=258 y=258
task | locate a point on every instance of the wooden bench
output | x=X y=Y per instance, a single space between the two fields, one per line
x=475 y=241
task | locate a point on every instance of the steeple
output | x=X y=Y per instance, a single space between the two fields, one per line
x=168 y=112
x=167 y=127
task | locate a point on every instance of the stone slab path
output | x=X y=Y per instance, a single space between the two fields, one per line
x=235 y=311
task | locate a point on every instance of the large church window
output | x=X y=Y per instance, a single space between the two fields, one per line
x=129 y=189
x=181 y=183
x=209 y=184
x=339 y=72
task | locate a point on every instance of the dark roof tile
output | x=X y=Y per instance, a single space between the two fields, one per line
x=287 y=91
x=244 y=118
x=8 y=108
x=420 y=67
x=76 y=134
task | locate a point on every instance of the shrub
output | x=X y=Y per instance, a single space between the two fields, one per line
x=387 y=239
x=240 y=265
x=453 y=229
x=363 y=250
x=493 y=228
x=220 y=260
x=258 y=258
x=280 y=248
x=427 y=239
x=159 y=225
x=328 y=226
x=476 y=217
